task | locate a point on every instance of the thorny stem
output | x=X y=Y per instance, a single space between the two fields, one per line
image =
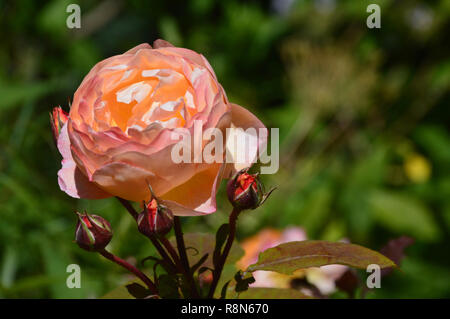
x=130 y=268
x=183 y=257
x=219 y=267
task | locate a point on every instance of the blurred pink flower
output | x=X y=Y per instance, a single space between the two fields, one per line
x=321 y=277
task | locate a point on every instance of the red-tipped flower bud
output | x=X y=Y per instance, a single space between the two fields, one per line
x=58 y=118
x=93 y=232
x=245 y=191
x=155 y=219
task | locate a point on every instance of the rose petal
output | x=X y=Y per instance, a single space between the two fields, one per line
x=70 y=179
x=293 y=234
x=191 y=56
x=139 y=47
x=244 y=154
x=198 y=195
x=124 y=180
x=160 y=43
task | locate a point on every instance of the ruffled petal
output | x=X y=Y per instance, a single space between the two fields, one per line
x=70 y=179
x=139 y=47
x=244 y=145
x=198 y=195
x=160 y=43
x=124 y=180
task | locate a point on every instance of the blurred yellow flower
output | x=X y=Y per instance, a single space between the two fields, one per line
x=417 y=168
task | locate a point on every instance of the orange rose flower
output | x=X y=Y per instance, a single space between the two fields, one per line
x=118 y=133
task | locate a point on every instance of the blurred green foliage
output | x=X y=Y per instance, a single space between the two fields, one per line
x=363 y=117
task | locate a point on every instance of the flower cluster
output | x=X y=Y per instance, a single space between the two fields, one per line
x=118 y=140
x=119 y=132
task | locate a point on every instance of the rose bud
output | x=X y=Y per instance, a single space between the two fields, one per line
x=155 y=219
x=205 y=278
x=93 y=232
x=245 y=191
x=57 y=118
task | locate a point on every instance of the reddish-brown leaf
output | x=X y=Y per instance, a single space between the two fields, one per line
x=287 y=258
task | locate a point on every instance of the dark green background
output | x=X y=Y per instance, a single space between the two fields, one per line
x=363 y=117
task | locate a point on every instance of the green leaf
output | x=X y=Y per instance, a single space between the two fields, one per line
x=436 y=141
x=15 y=94
x=56 y=261
x=228 y=273
x=138 y=291
x=168 y=287
x=287 y=258
x=272 y=293
x=223 y=292
x=242 y=283
x=404 y=215
x=8 y=267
